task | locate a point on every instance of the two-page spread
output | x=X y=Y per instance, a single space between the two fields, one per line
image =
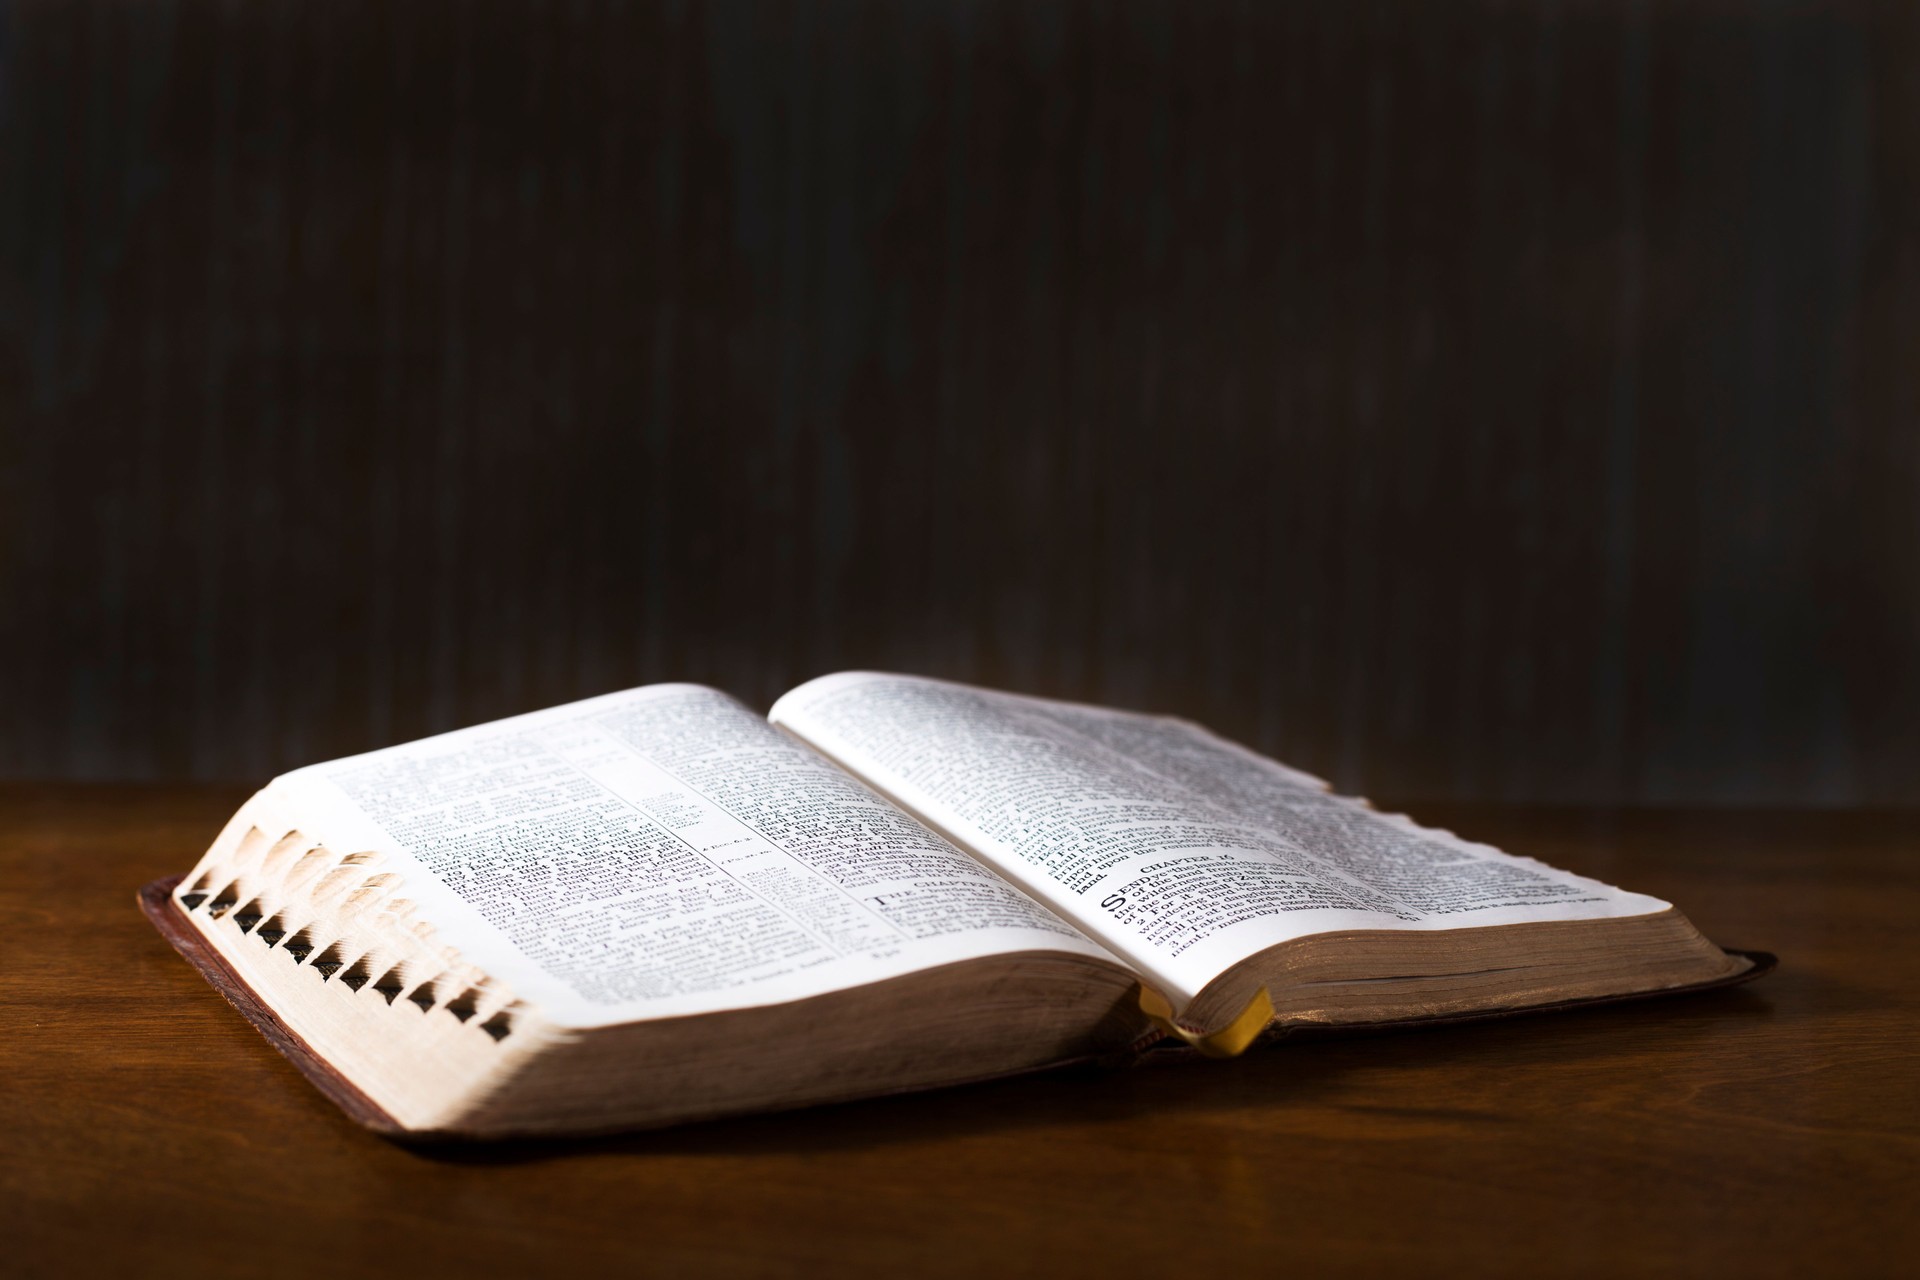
x=976 y=879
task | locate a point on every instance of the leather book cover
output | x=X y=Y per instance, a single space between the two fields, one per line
x=156 y=902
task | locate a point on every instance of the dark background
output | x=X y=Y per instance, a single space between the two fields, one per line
x=1468 y=401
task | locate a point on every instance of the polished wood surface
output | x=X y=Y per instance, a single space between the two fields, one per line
x=1767 y=1130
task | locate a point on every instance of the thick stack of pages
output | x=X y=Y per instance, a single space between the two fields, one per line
x=656 y=906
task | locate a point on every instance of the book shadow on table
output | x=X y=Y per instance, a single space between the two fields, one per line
x=1302 y=1073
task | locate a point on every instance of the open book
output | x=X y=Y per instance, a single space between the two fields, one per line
x=656 y=905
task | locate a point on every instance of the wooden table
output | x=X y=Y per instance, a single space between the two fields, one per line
x=1770 y=1129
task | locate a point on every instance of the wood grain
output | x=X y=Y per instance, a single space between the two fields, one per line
x=1767 y=1130
x=1484 y=400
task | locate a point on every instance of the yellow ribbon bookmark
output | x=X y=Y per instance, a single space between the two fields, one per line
x=1229 y=1041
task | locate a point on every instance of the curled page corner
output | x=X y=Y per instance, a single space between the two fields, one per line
x=1229 y=1041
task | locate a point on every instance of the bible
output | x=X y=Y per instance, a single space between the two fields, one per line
x=658 y=906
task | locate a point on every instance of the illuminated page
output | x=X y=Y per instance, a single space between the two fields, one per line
x=661 y=852
x=1180 y=852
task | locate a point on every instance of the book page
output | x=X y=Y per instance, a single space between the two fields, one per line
x=660 y=852
x=1181 y=852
